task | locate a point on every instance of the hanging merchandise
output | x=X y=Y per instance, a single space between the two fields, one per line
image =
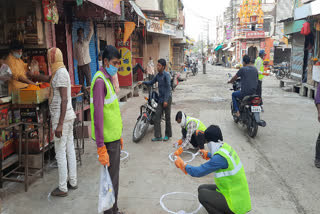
x=305 y=30
x=128 y=29
x=55 y=15
x=79 y=2
x=50 y=11
x=47 y=13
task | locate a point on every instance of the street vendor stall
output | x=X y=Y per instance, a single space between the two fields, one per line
x=25 y=127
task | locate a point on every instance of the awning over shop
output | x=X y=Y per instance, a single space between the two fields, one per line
x=111 y=5
x=218 y=48
x=293 y=27
x=231 y=49
x=137 y=9
x=306 y=10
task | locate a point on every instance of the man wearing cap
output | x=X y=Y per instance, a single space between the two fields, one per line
x=260 y=67
x=192 y=133
x=230 y=193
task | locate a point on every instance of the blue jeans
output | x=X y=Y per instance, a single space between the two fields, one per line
x=235 y=95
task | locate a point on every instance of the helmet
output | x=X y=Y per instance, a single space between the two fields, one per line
x=262 y=52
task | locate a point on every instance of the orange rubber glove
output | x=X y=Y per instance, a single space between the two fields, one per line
x=198 y=131
x=180 y=142
x=179 y=151
x=180 y=164
x=204 y=154
x=121 y=143
x=103 y=156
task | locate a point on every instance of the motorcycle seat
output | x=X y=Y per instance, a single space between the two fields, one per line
x=247 y=99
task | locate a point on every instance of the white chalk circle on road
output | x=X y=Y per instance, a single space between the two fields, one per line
x=126 y=155
x=173 y=158
x=181 y=211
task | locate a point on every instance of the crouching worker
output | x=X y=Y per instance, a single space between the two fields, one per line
x=192 y=133
x=230 y=193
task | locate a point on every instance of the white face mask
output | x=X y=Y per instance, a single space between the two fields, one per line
x=214 y=146
x=100 y=63
x=183 y=121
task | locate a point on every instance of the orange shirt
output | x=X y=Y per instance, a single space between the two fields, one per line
x=19 y=69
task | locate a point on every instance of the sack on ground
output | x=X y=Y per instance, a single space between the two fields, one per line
x=106 y=192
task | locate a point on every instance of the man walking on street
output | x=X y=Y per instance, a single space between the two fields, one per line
x=62 y=117
x=106 y=118
x=260 y=67
x=165 y=99
x=82 y=55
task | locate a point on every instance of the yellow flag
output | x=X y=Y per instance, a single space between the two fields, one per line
x=161 y=23
x=128 y=29
x=115 y=3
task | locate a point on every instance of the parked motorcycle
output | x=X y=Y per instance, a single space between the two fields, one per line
x=282 y=70
x=250 y=109
x=147 y=112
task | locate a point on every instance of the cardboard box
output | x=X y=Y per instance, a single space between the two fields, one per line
x=30 y=97
x=8 y=148
x=4 y=115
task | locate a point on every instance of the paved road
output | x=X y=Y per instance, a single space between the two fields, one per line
x=278 y=162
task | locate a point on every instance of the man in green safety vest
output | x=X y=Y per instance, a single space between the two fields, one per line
x=106 y=119
x=230 y=193
x=192 y=132
x=259 y=64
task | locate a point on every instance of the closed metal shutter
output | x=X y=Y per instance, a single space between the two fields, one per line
x=93 y=50
x=297 y=56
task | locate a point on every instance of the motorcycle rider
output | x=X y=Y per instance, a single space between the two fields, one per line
x=249 y=83
x=230 y=193
x=192 y=132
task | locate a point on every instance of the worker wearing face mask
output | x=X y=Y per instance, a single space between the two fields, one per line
x=106 y=118
x=18 y=67
x=230 y=193
x=192 y=132
x=114 y=79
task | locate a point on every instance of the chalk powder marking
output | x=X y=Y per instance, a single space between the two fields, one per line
x=126 y=155
x=173 y=158
x=181 y=211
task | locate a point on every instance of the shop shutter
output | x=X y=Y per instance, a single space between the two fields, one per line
x=297 y=56
x=92 y=48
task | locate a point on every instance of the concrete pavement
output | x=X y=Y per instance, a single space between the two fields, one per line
x=278 y=162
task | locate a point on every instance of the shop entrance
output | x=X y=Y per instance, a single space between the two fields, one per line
x=252 y=52
x=61 y=41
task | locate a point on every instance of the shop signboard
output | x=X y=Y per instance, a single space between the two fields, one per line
x=155 y=26
x=111 y=5
x=255 y=34
x=125 y=68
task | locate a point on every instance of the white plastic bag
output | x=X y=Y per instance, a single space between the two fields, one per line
x=106 y=192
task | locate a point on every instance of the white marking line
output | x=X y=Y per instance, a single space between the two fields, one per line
x=126 y=153
x=172 y=157
x=181 y=211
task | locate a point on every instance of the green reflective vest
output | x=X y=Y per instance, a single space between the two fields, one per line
x=112 y=122
x=261 y=69
x=232 y=182
x=200 y=125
